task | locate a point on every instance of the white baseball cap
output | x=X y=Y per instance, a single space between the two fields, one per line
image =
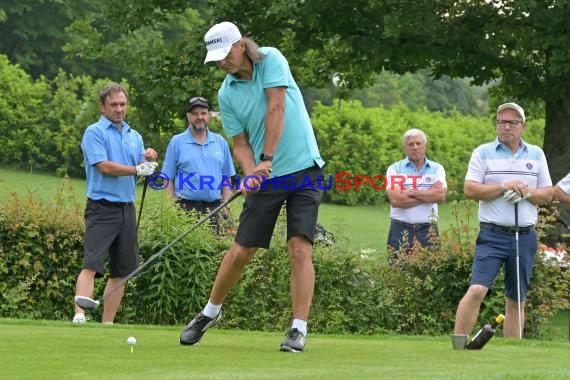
x=219 y=40
x=513 y=106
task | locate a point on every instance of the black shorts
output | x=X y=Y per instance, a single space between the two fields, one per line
x=260 y=210
x=110 y=230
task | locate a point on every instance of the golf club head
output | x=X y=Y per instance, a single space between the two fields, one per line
x=86 y=302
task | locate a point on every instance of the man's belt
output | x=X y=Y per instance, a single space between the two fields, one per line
x=191 y=203
x=109 y=203
x=411 y=226
x=511 y=230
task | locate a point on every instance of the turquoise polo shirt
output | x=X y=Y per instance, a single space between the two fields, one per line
x=243 y=107
x=198 y=170
x=103 y=141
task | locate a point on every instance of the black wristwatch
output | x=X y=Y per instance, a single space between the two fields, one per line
x=265 y=157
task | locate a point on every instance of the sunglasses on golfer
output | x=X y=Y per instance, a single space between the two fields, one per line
x=198 y=101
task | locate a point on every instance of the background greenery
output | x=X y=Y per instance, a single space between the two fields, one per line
x=399 y=65
x=352 y=138
x=356 y=292
x=382 y=53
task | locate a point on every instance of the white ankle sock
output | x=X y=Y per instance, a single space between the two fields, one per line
x=211 y=310
x=300 y=325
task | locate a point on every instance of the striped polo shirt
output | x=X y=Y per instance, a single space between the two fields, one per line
x=494 y=163
x=430 y=173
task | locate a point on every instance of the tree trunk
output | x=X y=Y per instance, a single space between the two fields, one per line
x=557 y=150
x=557 y=137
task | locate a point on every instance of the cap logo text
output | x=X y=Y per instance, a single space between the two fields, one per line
x=214 y=41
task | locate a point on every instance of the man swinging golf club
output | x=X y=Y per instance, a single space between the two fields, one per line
x=263 y=111
x=510 y=179
x=114 y=155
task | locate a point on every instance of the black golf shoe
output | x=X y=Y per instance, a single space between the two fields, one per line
x=295 y=342
x=194 y=331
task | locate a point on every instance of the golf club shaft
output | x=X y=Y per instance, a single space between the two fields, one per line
x=167 y=247
x=518 y=268
x=142 y=203
x=135 y=240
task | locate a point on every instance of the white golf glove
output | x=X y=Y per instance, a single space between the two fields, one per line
x=146 y=168
x=513 y=197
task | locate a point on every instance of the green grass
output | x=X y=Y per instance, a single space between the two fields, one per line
x=59 y=350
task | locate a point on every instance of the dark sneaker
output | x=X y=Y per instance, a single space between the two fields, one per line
x=194 y=331
x=295 y=342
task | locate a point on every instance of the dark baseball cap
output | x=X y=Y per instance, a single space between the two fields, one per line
x=198 y=101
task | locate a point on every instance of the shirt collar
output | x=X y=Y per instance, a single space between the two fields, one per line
x=108 y=124
x=500 y=145
x=190 y=138
x=410 y=163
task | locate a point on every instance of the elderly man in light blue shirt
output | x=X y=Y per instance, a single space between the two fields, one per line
x=413 y=208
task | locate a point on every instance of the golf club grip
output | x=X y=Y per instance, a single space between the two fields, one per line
x=170 y=245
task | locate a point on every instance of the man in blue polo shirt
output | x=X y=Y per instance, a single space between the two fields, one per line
x=500 y=174
x=198 y=163
x=263 y=111
x=114 y=155
x=413 y=206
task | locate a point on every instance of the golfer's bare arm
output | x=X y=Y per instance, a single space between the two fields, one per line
x=273 y=128
x=170 y=189
x=226 y=193
x=115 y=169
x=487 y=192
x=274 y=118
x=560 y=195
x=401 y=199
x=542 y=195
x=435 y=194
x=243 y=153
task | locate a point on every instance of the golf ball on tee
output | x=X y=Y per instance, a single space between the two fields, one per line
x=131 y=341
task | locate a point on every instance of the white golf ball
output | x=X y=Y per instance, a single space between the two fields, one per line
x=131 y=341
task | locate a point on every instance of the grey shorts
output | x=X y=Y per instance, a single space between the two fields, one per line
x=110 y=231
x=260 y=210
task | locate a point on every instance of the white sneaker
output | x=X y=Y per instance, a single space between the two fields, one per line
x=79 y=319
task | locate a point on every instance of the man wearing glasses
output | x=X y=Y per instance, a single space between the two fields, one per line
x=199 y=164
x=500 y=174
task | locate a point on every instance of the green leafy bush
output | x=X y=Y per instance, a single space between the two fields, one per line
x=41 y=250
x=428 y=286
x=177 y=284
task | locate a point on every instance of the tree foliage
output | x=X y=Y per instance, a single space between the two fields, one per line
x=32 y=34
x=522 y=42
x=161 y=56
x=43 y=120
